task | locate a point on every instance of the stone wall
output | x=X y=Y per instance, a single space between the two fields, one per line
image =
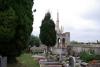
x=94 y=65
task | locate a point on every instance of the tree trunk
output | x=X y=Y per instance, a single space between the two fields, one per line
x=47 y=55
x=11 y=60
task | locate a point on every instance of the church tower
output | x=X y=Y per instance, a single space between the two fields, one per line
x=63 y=38
x=57 y=24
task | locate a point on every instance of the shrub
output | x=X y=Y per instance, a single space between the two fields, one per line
x=86 y=56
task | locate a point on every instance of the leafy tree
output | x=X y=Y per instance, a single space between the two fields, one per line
x=74 y=42
x=16 y=21
x=47 y=31
x=34 y=41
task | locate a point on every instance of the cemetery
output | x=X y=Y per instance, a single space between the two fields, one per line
x=52 y=48
x=64 y=54
x=58 y=59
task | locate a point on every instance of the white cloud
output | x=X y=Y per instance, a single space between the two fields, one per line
x=70 y=12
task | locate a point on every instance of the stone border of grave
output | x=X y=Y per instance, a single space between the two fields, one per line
x=94 y=65
x=50 y=64
x=38 y=58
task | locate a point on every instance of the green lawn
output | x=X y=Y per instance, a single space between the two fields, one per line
x=25 y=60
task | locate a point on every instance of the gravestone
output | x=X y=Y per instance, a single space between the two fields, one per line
x=0 y=60
x=71 y=61
x=3 y=61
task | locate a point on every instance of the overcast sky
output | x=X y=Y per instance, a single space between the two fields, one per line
x=79 y=17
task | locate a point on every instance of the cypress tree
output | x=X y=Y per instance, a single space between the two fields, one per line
x=47 y=32
x=16 y=21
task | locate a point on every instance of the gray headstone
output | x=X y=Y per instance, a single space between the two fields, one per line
x=4 y=62
x=0 y=60
x=72 y=61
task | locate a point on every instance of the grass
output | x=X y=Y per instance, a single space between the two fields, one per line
x=25 y=60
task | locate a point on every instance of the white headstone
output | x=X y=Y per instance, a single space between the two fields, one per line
x=72 y=61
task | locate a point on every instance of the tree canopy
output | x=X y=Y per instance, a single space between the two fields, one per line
x=47 y=31
x=16 y=21
x=34 y=41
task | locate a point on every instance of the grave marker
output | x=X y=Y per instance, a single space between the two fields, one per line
x=71 y=61
x=3 y=61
